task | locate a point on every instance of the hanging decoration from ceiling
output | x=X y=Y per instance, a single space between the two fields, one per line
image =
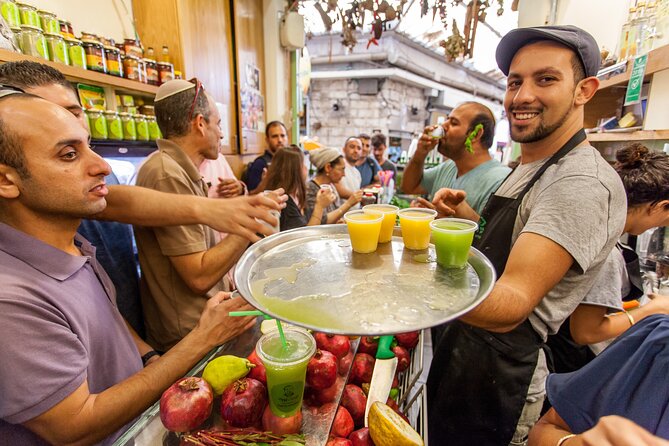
x=387 y=14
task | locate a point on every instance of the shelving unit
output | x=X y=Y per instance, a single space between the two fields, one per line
x=112 y=85
x=640 y=135
x=658 y=60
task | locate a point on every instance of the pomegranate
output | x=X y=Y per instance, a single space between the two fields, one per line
x=369 y=345
x=345 y=363
x=362 y=369
x=396 y=381
x=186 y=404
x=338 y=345
x=342 y=426
x=326 y=395
x=322 y=370
x=338 y=441
x=403 y=357
x=408 y=340
x=258 y=372
x=279 y=425
x=354 y=400
x=361 y=437
x=243 y=402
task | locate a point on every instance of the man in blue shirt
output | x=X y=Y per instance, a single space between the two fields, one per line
x=367 y=165
x=276 y=136
x=472 y=170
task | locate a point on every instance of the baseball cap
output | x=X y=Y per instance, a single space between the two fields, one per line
x=583 y=44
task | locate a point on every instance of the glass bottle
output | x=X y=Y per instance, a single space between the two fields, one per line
x=165 y=55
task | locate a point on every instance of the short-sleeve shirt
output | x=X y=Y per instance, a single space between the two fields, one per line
x=389 y=165
x=253 y=174
x=351 y=181
x=368 y=170
x=628 y=379
x=171 y=308
x=479 y=183
x=59 y=326
x=310 y=202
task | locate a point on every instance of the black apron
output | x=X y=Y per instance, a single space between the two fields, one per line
x=479 y=380
x=564 y=354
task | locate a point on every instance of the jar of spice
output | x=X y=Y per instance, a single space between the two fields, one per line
x=58 y=51
x=33 y=42
x=129 y=127
x=49 y=22
x=177 y=74
x=141 y=66
x=10 y=11
x=89 y=36
x=154 y=130
x=132 y=47
x=142 y=127
x=165 y=72
x=95 y=55
x=77 y=54
x=66 y=29
x=147 y=110
x=97 y=124
x=114 y=125
x=29 y=15
x=114 y=62
x=131 y=68
x=151 y=72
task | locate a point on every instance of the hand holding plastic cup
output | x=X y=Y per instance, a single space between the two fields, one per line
x=389 y=218
x=452 y=238
x=364 y=228
x=286 y=368
x=415 y=225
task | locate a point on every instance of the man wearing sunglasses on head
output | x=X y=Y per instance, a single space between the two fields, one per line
x=182 y=266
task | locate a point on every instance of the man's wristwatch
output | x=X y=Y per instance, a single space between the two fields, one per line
x=148 y=356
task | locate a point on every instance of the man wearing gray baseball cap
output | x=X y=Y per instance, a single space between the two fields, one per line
x=547 y=230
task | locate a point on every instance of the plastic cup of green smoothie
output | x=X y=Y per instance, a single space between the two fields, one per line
x=452 y=238
x=286 y=368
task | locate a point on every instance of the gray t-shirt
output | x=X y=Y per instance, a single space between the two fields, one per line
x=579 y=203
x=59 y=325
x=312 y=191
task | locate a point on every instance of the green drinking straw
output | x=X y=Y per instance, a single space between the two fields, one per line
x=260 y=313
x=281 y=335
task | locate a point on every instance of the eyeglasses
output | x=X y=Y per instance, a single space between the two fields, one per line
x=198 y=87
x=6 y=90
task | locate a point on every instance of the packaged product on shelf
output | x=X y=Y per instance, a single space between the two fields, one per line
x=16 y=39
x=127 y=100
x=29 y=15
x=129 y=128
x=131 y=68
x=10 y=11
x=91 y=97
x=49 y=22
x=142 y=126
x=165 y=72
x=58 y=51
x=66 y=29
x=151 y=72
x=75 y=48
x=132 y=47
x=147 y=110
x=114 y=62
x=114 y=125
x=97 y=124
x=141 y=66
x=165 y=55
x=33 y=42
x=154 y=130
x=177 y=74
x=95 y=54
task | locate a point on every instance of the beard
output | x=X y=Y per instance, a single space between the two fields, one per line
x=541 y=131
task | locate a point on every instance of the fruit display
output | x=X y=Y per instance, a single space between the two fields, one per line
x=337 y=380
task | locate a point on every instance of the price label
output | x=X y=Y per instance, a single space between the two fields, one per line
x=633 y=94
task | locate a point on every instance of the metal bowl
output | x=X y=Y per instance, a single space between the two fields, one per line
x=311 y=277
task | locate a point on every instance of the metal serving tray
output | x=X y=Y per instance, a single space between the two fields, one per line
x=311 y=277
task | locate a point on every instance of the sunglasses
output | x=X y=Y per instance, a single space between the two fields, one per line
x=6 y=90
x=198 y=87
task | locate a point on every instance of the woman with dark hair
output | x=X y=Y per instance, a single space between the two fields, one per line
x=600 y=316
x=330 y=168
x=289 y=172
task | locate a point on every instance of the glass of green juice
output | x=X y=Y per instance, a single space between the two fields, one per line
x=452 y=238
x=286 y=368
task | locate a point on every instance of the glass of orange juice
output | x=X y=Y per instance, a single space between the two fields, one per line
x=364 y=228
x=415 y=224
x=389 y=217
